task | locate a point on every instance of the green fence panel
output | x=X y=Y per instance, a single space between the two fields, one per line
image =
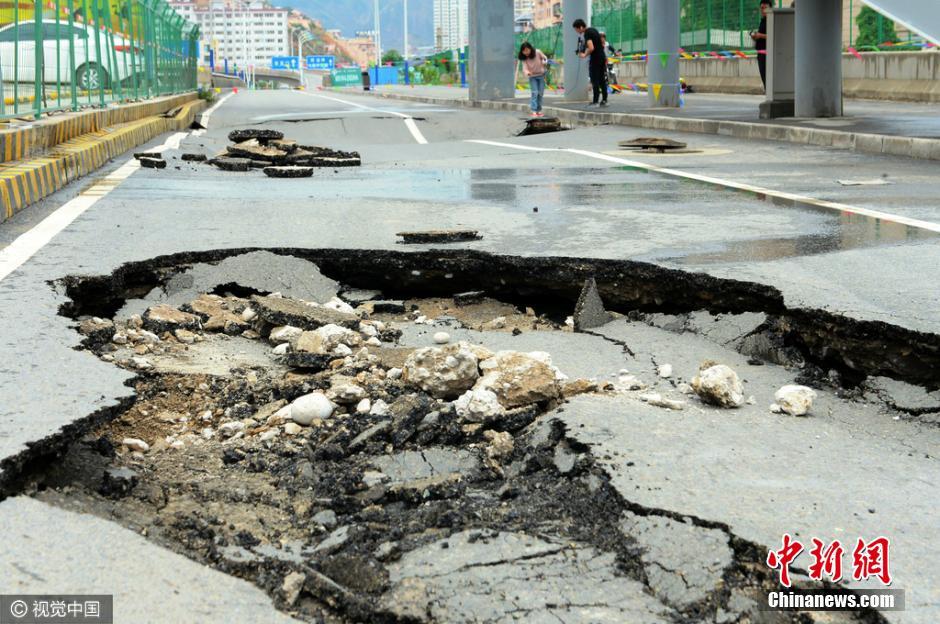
x=68 y=54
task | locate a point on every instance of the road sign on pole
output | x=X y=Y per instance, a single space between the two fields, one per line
x=321 y=61
x=285 y=62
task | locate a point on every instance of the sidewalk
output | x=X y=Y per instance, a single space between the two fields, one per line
x=895 y=128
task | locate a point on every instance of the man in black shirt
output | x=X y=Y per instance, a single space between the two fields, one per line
x=597 y=65
x=760 y=41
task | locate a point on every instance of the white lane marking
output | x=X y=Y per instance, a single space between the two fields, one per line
x=514 y=146
x=206 y=115
x=27 y=245
x=409 y=120
x=741 y=186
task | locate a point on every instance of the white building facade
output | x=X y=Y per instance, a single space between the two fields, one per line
x=451 y=24
x=242 y=33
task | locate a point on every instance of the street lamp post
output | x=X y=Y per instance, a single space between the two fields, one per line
x=378 y=34
x=404 y=52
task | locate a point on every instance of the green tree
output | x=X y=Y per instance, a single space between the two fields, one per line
x=392 y=56
x=873 y=28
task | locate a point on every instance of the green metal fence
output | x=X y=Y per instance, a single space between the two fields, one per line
x=709 y=26
x=67 y=54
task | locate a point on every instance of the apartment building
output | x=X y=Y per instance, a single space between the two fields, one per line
x=451 y=24
x=241 y=32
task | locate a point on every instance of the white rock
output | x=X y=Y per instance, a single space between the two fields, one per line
x=374 y=342
x=147 y=337
x=368 y=330
x=178 y=444
x=339 y=305
x=135 y=444
x=379 y=408
x=205 y=416
x=795 y=400
x=364 y=406
x=279 y=416
x=445 y=372
x=311 y=406
x=270 y=434
x=342 y=350
x=394 y=373
x=207 y=433
x=775 y=409
x=657 y=400
x=248 y=314
x=441 y=337
x=519 y=378
x=421 y=320
x=665 y=371
x=281 y=349
x=719 y=385
x=324 y=339
x=227 y=430
x=119 y=338
x=285 y=333
x=346 y=393
x=141 y=363
x=478 y=405
x=292 y=429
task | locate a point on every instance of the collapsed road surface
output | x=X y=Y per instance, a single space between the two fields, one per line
x=176 y=391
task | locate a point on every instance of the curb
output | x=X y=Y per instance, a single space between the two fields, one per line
x=42 y=135
x=26 y=182
x=889 y=145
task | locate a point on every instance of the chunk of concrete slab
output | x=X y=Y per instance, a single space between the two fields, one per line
x=52 y=551
x=259 y=271
x=589 y=311
x=483 y=576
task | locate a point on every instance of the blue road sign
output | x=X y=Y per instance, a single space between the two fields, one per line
x=321 y=61
x=285 y=62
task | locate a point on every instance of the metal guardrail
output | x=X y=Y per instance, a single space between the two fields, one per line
x=66 y=54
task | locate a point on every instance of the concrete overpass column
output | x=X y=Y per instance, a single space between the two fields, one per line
x=492 y=50
x=818 y=76
x=575 y=74
x=662 y=64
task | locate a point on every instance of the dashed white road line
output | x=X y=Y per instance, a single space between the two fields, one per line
x=14 y=255
x=409 y=120
x=741 y=186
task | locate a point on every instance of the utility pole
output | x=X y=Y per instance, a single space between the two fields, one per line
x=404 y=52
x=378 y=33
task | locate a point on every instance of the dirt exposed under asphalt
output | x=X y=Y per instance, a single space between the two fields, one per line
x=322 y=516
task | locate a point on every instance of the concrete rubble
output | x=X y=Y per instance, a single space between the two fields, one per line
x=355 y=465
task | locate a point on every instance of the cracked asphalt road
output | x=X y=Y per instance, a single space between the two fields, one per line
x=721 y=468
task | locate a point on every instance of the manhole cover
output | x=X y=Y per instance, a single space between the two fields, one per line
x=652 y=144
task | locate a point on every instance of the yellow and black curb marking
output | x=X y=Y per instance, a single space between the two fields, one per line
x=40 y=136
x=26 y=182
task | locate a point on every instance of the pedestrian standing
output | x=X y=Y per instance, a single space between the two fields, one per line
x=597 y=61
x=535 y=67
x=760 y=41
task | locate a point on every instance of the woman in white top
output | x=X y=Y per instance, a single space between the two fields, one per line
x=535 y=67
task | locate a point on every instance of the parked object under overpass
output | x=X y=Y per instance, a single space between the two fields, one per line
x=62 y=56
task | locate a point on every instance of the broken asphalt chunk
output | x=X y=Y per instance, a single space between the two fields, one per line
x=232 y=164
x=589 y=311
x=194 y=157
x=280 y=311
x=238 y=136
x=439 y=236
x=152 y=163
x=288 y=172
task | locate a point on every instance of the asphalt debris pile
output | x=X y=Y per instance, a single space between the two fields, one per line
x=278 y=157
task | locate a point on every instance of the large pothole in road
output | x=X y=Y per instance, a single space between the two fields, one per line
x=367 y=446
